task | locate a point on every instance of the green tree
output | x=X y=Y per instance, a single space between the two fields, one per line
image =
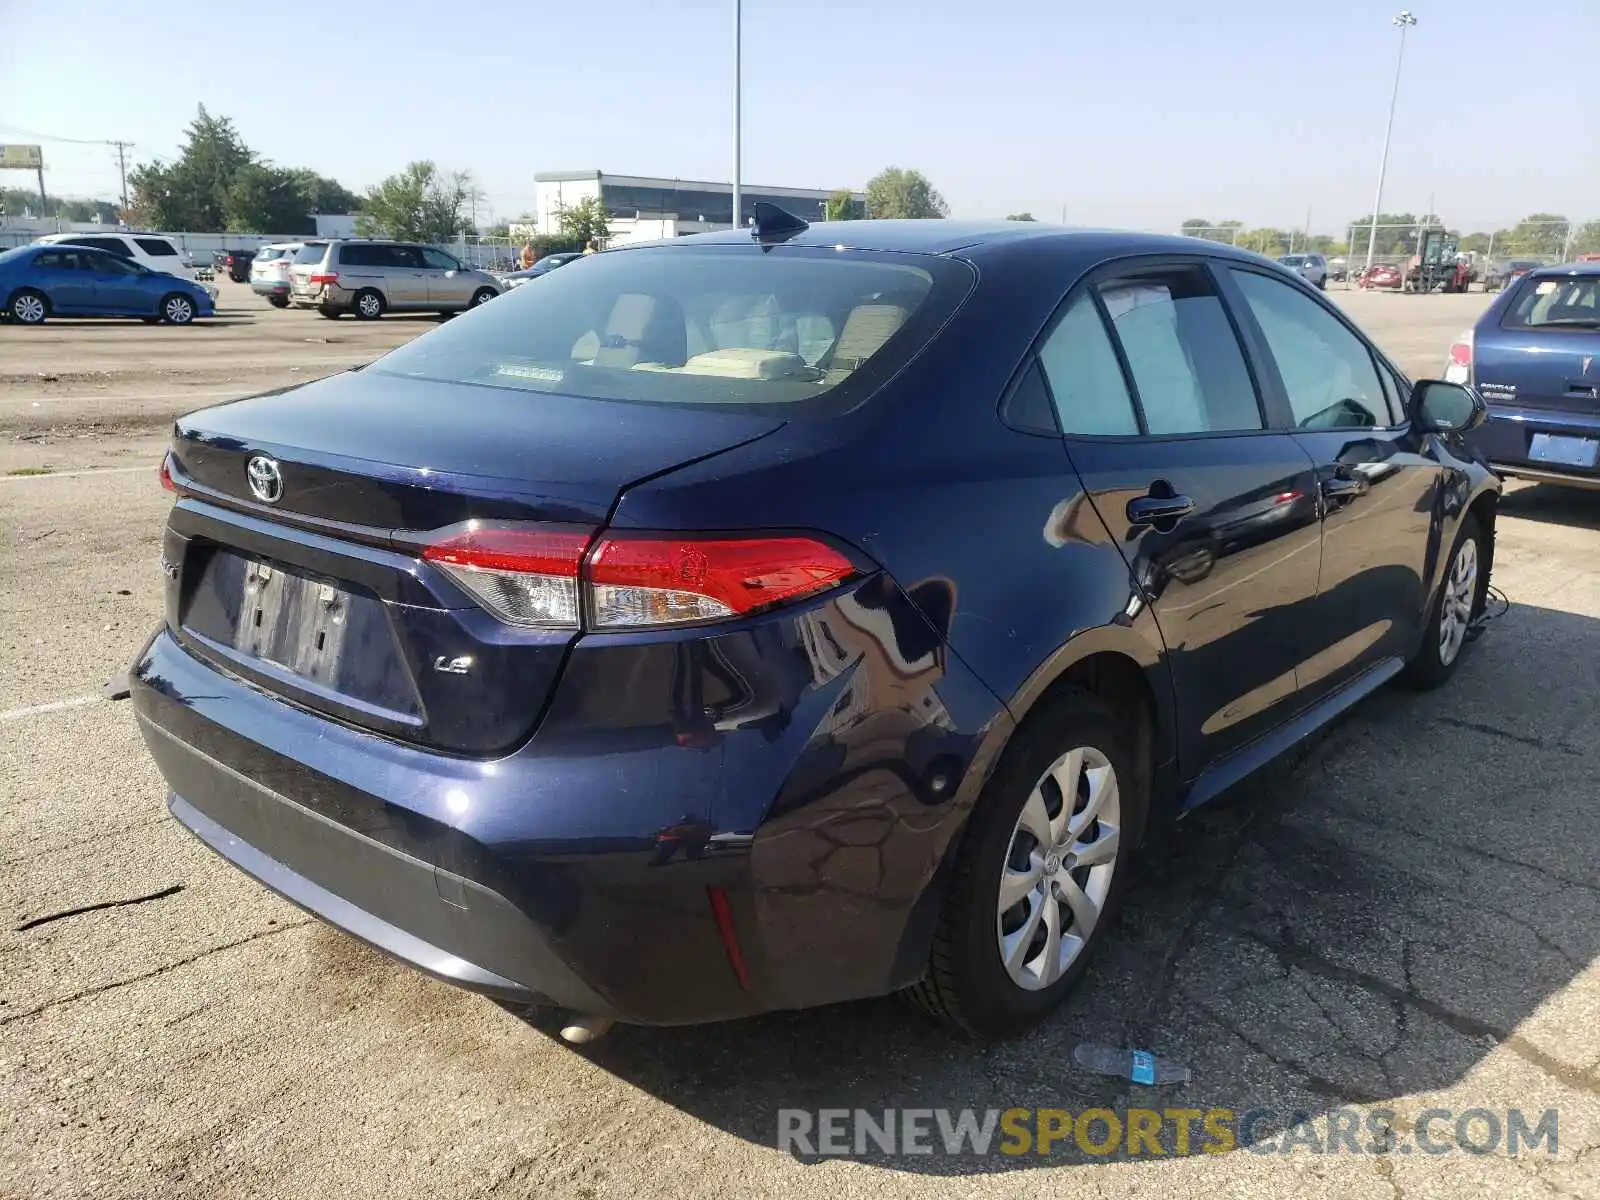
x=1587 y=239
x=1271 y=242
x=420 y=203
x=324 y=195
x=584 y=222
x=895 y=192
x=1541 y=234
x=841 y=206
x=16 y=201
x=1021 y=216
x=1211 y=231
x=192 y=192
x=266 y=199
x=1394 y=237
x=1475 y=243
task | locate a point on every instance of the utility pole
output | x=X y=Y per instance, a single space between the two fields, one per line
x=122 y=169
x=738 y=50
x=1404 y=20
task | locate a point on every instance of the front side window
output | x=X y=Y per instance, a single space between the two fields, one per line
x=1188 y=370
x=1326 y=369
x=1085 y=379
x=438 y=260
x=156 y=247
x=406 y=257
x=1573 y=303
x=697 y=326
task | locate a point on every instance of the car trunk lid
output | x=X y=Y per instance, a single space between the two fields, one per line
x=311 y=582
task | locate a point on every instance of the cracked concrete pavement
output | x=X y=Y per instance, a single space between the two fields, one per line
x=1404 y=915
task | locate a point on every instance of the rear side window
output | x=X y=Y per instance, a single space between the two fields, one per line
x=156 y=247
x=741 y=326
x=1086 y=383
x=109 y=244
x=1327 y=370
x=1188 y=370
x=1572 y=303
x=311 y=253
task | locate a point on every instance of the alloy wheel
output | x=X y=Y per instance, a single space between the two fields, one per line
x=28 y=309
x=1058 y=868
x=370 y=305
x=1455 y=605
x=178 y=310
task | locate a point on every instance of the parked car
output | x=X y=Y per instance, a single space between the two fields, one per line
x=1382 y=275
x=149 y=250
x=1502 y=273
x=370 y=278
x=235 y=264
x=1313 y=268
x=760 y=621
x=269 y=272
x=1535 y=356
x=1339 y=269
x=543 y=266
x=64 y=280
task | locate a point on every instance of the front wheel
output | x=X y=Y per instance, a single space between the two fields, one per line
x=28 y=307
x=1459 y=601
x=483 y=296
x=177 y=309
x=1040 y=870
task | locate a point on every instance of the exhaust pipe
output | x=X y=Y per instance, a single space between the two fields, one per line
x=582 y=1029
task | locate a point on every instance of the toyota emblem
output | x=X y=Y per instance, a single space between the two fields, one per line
x=266 y=481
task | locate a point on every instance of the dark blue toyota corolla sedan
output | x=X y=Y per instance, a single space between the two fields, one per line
x=1535 y=354
x=759 y=621
x=38 y=282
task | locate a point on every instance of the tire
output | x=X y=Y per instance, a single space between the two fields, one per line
x=968 y=982
x=28 y=307
x=1322 y=284
x=1460 y=599
x=278 y=301
x=333 y=314
x=368 y=305
x=176 y=309
x=483 y=296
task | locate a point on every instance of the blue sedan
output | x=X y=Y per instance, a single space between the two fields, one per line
x=1535 y=356
x=37 y=282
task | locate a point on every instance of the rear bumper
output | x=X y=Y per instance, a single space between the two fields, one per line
x=1506 y=437
x=580 y=869
x=265 y=287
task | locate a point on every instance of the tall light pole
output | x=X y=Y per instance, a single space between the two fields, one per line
x=1405 y=20
x=738 y=49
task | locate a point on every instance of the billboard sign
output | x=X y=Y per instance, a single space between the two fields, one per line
x=21 y=158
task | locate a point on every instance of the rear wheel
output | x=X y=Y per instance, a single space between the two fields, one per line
x=1459 y=601
x=368 y=305
x=278 y=301
x=28 y=307
x=483 y=296
x=176 y=309
x=1040 y=871
x=333 y=314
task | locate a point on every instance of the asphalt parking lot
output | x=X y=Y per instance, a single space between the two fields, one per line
x=1404 y=916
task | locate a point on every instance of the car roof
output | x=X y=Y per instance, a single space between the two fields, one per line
x=948 y=237
x=1573 y=268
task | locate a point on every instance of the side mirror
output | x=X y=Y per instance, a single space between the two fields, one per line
x=1440 y=407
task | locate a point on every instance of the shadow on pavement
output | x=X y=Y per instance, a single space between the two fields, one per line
x=1360 y=922
x=1554 y=504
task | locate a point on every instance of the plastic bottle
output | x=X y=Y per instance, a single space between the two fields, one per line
x=1140 y=1066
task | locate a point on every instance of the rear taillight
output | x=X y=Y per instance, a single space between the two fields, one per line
x=1459 y=369
x=523 y=576
x=536 y=577
x=317 y=279
x=164 y=472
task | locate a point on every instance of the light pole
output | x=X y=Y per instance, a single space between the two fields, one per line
x=738 y=48
x=1405 y=20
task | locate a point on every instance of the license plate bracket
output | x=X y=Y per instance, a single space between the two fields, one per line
x=292 y=620
x=1562 y=450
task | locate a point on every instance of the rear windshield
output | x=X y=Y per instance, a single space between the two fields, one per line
x=707 y=325
x=268 y=253
x=311 y=253
x=1570 y=302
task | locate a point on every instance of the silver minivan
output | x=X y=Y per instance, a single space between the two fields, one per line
x=370 y=278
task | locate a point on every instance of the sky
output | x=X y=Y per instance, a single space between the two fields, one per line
x=1137 y=114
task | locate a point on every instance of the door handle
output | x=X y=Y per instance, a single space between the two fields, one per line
x=1152 y=510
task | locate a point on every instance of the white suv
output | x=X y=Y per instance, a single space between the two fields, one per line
x=147 y=249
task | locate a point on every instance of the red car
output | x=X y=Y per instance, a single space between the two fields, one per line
x=1381 y=275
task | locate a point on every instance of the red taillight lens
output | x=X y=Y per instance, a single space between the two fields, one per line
x=525 y=576
x=164 y=472
x=318 y=279
x=646 y=580
x=1461 y=353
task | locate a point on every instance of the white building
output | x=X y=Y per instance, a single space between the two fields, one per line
x=644 y=209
